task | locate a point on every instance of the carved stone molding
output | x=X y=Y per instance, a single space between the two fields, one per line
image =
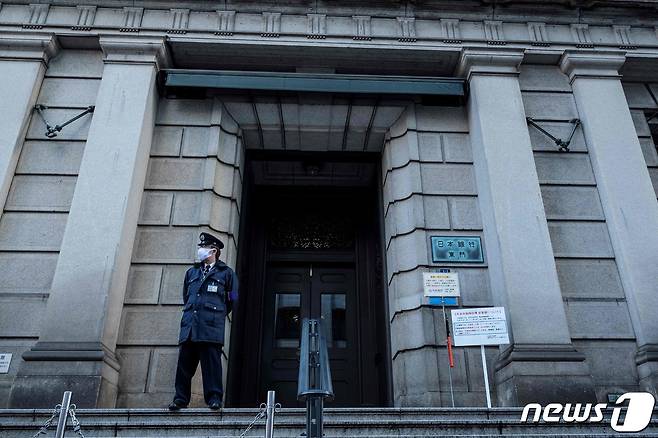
x=493 y=61
x=591 y=63
x=22 y=46
x=142 y=50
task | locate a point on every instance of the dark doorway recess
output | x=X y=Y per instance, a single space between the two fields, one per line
x=310 y=246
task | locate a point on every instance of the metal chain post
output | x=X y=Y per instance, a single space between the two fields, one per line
x=64 y=409
x=259 y=415
x=77 y=428
x=46 y=425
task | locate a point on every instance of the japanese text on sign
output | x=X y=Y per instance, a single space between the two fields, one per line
x=479 y=326
x=456 y=249
x=441 y=284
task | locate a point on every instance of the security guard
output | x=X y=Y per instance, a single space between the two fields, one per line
x=209 y=291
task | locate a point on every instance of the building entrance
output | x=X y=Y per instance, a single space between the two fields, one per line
x=310 y=249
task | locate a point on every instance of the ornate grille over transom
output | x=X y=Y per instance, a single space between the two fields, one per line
x=311 y=230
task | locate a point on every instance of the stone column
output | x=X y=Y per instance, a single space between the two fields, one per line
x=540 y=364
x=78 y=335
x=624 y=185
x=23 y=62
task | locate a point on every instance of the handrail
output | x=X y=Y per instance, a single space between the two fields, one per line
x=314 y=380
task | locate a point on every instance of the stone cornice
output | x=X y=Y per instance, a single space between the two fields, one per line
x=25 y=46
x=489 y=61
x=592 y=63
x=135 y=50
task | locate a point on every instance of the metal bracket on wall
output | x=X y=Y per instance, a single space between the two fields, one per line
x=51 y=131
x=563 y=145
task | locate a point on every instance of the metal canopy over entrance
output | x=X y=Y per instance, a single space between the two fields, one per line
x=315 y=82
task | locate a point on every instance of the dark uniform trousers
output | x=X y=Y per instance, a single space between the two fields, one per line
x=210 y=355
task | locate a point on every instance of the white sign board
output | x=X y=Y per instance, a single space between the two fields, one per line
x=5 y=360
x=479 y=326
x=441 y=284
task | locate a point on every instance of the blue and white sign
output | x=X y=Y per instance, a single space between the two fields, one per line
x=443 y=301
x=456 y=249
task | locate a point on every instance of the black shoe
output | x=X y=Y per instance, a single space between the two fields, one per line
x=214 y=405
x=174 y=406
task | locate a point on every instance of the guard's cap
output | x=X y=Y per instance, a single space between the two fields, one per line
x=209 y=239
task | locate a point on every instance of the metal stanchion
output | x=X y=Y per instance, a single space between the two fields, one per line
x=269 y=425
x=63 y=412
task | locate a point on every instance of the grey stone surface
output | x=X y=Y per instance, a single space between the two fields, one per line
x=50 y=157
x=155 y=208
x=165 y=173
x=589 y=278
x=599 y=354
x=149 y=326
x=534 y=77
x=638 y=95
x=40 y=193
x=457 y=148
x=172 y=284
x=196 y=141
x=184 y=112
x=165 y=245
x=68 y=92
x=465 y=213
x=447 y=179
x=188 y=206
x=429 y=146
x=640 y=123
x=167 y=141
x=572 y=202
x=436 y=212
x=549 y=106
x=143 y=284
x=557 y=168
x=13 y=323
x=31 y=231
x=649 y=151
x=134 y=368
x=580 y=239
x=599 y=320
x=76 y=63
x=17 y=279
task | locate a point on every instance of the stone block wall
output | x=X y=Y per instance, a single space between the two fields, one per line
x=428 y=189
x=643 y=102
x=34 y=216
x=594 y=300
x=193 y=184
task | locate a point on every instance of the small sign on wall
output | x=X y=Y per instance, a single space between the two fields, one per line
x=5 y=360
x=441 y=284
x=456 y=249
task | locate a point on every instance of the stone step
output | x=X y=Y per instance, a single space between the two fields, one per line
x=290 y=422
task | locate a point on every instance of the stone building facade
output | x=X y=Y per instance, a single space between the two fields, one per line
x=100 y=221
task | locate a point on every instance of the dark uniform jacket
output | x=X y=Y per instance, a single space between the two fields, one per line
x=207 y=302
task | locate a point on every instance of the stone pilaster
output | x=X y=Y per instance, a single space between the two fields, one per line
x=23 y=62
x=540 y=365
x=627 y=196
x=78 y=335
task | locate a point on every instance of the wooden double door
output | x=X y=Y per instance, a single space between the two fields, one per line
x=324 y=291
